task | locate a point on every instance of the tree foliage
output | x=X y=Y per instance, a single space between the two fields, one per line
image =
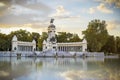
x=109 y=47
x=41 y=39
x=96 y=35
x=117 y=42
x=3 y=42
x=67 y=37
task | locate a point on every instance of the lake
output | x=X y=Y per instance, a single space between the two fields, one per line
x=21 y=68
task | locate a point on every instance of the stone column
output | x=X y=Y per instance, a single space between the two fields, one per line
x=63 y=48
x=59 y=48
x=27 y=48
x=66 y=48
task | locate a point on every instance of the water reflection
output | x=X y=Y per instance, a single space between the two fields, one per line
x=59 y=68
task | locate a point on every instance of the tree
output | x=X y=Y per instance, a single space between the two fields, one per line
x=3 y=42
x=22 y=35
x=109 y=47
x=41 y=39
x=117 y=41
x=67 y=37
x=96 y=35
x=35 y=36
x=75 y=38
x=62 y=37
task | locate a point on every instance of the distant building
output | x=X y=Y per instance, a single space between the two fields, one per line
x=22 y=46
x=51 y=42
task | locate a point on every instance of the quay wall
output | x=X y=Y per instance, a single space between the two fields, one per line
x=39 y=53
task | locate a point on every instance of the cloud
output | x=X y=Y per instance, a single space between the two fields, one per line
x=101 y=8
x=38 y=25
x=111 y=2
x=3 y=7
x=92 y=10
x=31 y=27
x=2 y=4
x=60 y=12
x=34 y=4
x=23 y=11
x=116 y=2
x=20 y=10
x=113 y=25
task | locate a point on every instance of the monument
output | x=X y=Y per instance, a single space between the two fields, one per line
x=51 y=43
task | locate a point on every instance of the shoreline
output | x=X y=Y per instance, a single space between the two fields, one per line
x=56 y=54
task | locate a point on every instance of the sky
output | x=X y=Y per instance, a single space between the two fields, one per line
x=70 y=15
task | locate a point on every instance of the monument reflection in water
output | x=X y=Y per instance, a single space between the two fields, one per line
x=59 y=69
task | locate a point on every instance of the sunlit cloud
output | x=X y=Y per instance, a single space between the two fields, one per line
x=2 y=4
x=112 y=25
x=20 y=10
x=23 y=11
x=60 y=12
x=111 y=2
x=31 y=27
x=101 y=8
x=91 y=10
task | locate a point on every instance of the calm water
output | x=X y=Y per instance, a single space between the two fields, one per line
x=59 y=69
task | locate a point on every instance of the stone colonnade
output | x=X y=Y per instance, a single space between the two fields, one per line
x=25 y=48
x=69 y=48
x=72 y=46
